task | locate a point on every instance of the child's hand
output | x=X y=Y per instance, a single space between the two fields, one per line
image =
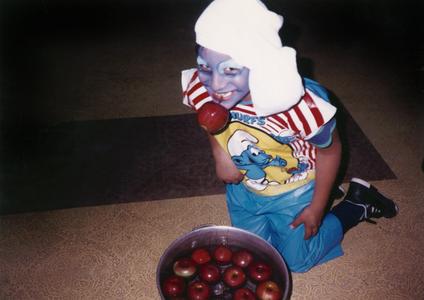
x=226 y=170
x=311 y=219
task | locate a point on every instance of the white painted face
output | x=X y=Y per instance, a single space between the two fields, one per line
x=225 y=80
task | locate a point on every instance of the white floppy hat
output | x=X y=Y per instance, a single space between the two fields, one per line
x=248 y=32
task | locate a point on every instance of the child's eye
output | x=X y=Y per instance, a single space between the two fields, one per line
x=203 y=67
x=232 y=71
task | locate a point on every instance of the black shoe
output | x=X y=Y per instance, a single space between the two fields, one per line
x=375 y=205
x=337 y=192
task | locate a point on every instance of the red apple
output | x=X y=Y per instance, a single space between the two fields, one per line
x=268 y=290
x=173 y=286
x=242 y=258
x=222 y=254
x=212 y=117
x=198 y=290
x=244 y=294
x=201 y=256
x=259 y=271
x=209 y=273
x=185 y=267
x=234 y=276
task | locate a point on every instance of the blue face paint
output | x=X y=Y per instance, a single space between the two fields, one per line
x=225 y=80
x=230 y=67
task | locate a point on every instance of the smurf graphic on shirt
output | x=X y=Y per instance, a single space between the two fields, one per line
x=299 y=172
x=265 y=171
x=247 y=156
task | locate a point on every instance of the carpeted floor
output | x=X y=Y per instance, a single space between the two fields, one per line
x=89 y=163
x=92 y=116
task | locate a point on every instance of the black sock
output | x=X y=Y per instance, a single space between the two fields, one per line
x=349 y=214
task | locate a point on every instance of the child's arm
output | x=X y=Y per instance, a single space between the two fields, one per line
x=327 y=165
x=225 y=168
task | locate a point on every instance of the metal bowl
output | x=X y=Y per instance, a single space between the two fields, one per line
x=210 y=236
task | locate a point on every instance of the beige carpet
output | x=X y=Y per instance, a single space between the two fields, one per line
x=111 y=252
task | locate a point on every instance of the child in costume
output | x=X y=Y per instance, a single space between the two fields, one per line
x=280 y=153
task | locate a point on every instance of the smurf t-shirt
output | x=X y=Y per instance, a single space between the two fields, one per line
x=276 y=153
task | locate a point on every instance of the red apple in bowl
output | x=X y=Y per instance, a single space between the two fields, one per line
x=201 y=256
x=268 y=290
x=242 y=258
x=234 y=276
x=259 y=271
x=209 y=273
x=198 y=290
x=185 y=267
x=212 y=117
x=222 y=254
x=173 y=286
x=244 y=294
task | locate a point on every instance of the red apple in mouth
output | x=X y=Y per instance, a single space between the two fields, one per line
x=212 y=117
x=198 y=290
x=242 y=258
x=244 y=294
x=259 y=271
x=173 y=286
x=268 y=290
x=185 y=267
x=234 y=276
x=222 y=254
x=201 y=256
x=209 y=273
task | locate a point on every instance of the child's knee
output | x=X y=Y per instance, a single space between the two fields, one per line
x=301 y=255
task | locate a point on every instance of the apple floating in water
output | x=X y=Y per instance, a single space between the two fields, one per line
x=268 y=290
x=198 y=290
x=259 y=271
x=222 y=255
x=212 y=117
x=244 y=294
x=201 y=256
x=234 y=276
x=242 y=258
x=210 y=273
x=173 y=286
x=185 y=267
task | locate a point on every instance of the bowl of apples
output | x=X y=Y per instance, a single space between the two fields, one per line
x=222 y=262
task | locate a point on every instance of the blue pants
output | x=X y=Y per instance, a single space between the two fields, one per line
x=270 y=218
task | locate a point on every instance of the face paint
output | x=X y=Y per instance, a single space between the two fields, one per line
x=225 y=80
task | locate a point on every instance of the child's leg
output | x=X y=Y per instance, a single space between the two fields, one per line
x=300 y=254
x=243 y=212
x=270 y=218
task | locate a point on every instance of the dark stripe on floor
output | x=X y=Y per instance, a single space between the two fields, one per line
x=124 y=160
